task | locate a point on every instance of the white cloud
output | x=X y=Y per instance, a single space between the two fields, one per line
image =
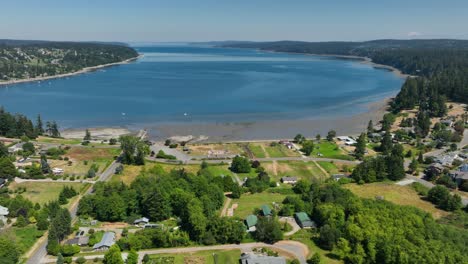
x=414 y=34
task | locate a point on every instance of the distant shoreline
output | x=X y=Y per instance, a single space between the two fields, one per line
x=84 y=70
x=363 y=60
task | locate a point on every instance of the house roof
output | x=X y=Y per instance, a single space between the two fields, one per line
x=255 y=259
x=464 y=167
x=3 y=210
x=141 y=220
x=251 y=220
x=106 y=241
x=266 y=210
x=288 y=179
x=304 y=220
x=84 y=240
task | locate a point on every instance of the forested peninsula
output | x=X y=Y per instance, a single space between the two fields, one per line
x=441 y=65
x=36 y=60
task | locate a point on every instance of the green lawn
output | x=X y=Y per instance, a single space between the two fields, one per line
x=44 y=192
x=329 y=167
x=200 y=257
x=278 y=151
x=257 y=150
x=58 y=141
x=249 y=202
x=26 y=236
x=330 y=150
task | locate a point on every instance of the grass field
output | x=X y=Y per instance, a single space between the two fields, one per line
x=329 y=167
x=300 y=169
x=203 y=149
x=26 y=236
x=92 y=154
x=58 y=141
x=249 y=202
x=200 y=257
x=402 y=195
x=43 y=192
x=257 y=150
x=330 y=150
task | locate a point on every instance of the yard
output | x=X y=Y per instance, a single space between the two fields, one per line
x=328 y=149
x=302 y=170
x=330 y=167
x=271 y=150
x=200 y=257
x=44 y=192
x=249 y=202
x=203 y=149
x=305 y=236
x=26 y=236
x=402 y=195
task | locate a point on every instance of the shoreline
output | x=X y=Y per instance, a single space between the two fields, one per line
x=63 y=75
x=363 y=60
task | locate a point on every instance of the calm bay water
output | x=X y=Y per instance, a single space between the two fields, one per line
x=190 y=84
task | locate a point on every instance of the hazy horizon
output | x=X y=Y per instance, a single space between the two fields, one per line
x=210 y=20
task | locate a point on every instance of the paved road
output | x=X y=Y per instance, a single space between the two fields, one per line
x=291 y=248
x=181 y=156
x=292 y=222
x=39 y=254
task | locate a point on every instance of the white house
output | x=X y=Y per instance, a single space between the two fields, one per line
x=57 y=171
x=15 y=148
x=3 y=214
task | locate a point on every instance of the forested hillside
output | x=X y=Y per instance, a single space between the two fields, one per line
x=30 y=59
x=441 y=65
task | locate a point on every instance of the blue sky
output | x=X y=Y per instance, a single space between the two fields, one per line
x=204 y=20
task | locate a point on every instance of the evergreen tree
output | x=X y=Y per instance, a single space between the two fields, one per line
x=370 y=127
x=414 y=165
x=60 y=259
x=360 y=150
x=39 y=126
x=45 y=167
x=87 y=136
x=386 y=144
x=331 y=135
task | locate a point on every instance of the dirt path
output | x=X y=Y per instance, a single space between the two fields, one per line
x=320 y=167
x=227 y=202
x=267 y=155
x=275 y=167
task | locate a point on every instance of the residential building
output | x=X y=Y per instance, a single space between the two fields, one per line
x=289 y=180
x=250 y=258
x=337 y=177
x=251 y=222
x=303 y=220
x=3 y=214
x=108 y=239
x=15 y=148
x=266 y=211
x=80 y=241
x=141 y=221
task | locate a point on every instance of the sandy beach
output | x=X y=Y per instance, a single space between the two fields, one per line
x=271 y=130
x=84 y=70
x=104 y=133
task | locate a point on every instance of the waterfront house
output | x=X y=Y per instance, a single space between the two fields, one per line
x=303 y=220
x=57 y=171
x=108 y=239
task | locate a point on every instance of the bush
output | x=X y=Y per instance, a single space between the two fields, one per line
x=420 y=189
x=162 y=155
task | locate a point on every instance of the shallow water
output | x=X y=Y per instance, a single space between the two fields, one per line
x=192 y=84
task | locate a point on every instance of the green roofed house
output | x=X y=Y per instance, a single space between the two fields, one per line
x=266 y=211
x=251 y=222
x=303 y=220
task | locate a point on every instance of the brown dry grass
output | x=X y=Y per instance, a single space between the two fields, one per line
x=402 y=195
x=92 y=154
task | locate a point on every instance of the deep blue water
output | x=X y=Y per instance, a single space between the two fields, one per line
x=183 y=83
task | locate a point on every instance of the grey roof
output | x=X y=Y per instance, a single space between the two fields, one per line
x=255 y=259
x=106 y=241
x=141 y=220
x=464 y=167
x=283 y=179
x=78 y=241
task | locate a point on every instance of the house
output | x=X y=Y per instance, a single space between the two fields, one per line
x=250 y=258
x=2 y=182
x=152 y=226
x=460 y=175
x=141 y=221
x=347 y=140
x=447 y=122
x=3 y=214
x=15 y=148
x=108 y=239
x=289 y=180
x=266 y=211
x=251 y=222
x=448 y=159
x=303 y=220
x=57 y=171
x=80 y=241
x=338 y=177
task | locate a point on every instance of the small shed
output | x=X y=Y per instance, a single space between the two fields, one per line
x=251 y=222
x=141 y=221
x=266 y=211
x=303 y=220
